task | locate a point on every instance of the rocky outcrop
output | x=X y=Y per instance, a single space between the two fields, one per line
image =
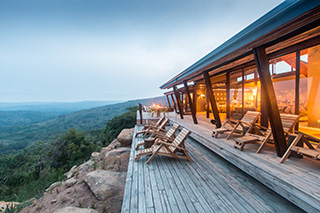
x=106 y=184
x=94 y=186
x=70 y=209
x=125 y=137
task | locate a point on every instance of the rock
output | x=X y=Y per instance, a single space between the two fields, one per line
x=106 y=184
x=95 y=155
x=70 y=209
x=54 y=185
x=117 y=160
x=113 y=145
x=70 y=182
x=85 y=167
x=53 y=201
x=71 y=172
x=125 y=137
x=3 y=205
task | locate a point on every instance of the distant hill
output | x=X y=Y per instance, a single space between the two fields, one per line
x=18 y=137
x=24 y=118
x=56 y=107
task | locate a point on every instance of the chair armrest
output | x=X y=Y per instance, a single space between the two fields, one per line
x=169 y=144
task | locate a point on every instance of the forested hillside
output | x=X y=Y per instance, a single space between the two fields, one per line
x=17 y=137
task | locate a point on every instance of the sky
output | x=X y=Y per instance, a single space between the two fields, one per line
x=75 y=50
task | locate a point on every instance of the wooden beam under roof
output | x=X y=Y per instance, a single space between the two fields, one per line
x=193 y=112
x=270 y=100
x=178 y=102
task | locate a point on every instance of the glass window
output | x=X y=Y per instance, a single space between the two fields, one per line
x=309 y=93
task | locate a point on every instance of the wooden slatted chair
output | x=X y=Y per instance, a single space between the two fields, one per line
x=159 y=126
x=169 y=136
x=311 y=151
x=264 y=135
x=233 y=126
x=175 y=149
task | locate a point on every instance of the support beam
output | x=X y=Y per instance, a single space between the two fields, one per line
x=207 y=105
x=174 y=103
x=140 y=112
x=193 y=112
x=212 y=99
x=168 y=103
x=242 y=93
x=297 y=87
x=271 y=101
x=178 y=102
x=228 y=94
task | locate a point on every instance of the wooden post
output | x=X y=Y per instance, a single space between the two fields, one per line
x=174 y=103
x=242 y=93
x=297 y=87
x=228 y=94
x=271 y=101
x=207 y=103
x=168 y=103
x=140 y=112
x=178 y=102
x=212 y=99
x=193 y=112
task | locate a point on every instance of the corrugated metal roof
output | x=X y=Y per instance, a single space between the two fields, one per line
x=283 y=13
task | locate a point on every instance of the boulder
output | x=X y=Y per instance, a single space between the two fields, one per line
x=113 y=145
x=125 y=137
x=94 y=155
x=85 y=167
x=70 y=182
x=117 y=160
x=106 y=184
x=54 y=185
x=71 y=172
x=70 y=209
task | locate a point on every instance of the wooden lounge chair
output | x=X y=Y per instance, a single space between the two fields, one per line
x=169 y=136
x=265 y=134
x=154 y=128
x=175 y=149
x=234 y=126
x=311 y=151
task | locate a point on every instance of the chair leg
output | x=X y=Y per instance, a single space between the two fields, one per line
x=288 y=152
x=153 y=155
x=264 y=142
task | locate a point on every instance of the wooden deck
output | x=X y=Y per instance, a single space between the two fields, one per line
x=298 y=180
x=209 y=184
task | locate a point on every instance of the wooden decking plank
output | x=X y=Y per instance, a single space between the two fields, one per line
x=141 y=188
x=171 y=197
x=236 y=194
x=189 y=179
x=250 y=186
x=183 y=187
x=155 y=190
x=147 y=187
x=175 y=191
x=162 y=191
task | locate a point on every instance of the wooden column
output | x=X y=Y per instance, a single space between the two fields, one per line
x=178 y=102
x=271 y=101
x=174 y=103
x=207 y=105
x=228 y=94
x=193 y=112
x=242 y=92
x=168 y=103
x=212 y=99
x=297 y=87
x=140 y=112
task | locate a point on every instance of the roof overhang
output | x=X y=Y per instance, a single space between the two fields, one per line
x=265 y=31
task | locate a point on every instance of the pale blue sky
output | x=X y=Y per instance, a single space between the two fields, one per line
x=74 y=50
